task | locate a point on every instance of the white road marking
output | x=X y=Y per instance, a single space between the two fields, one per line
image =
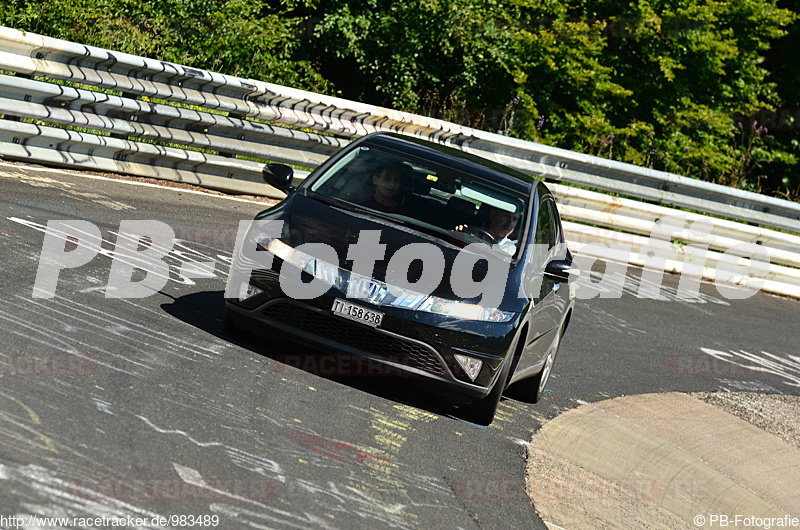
x=131 y=182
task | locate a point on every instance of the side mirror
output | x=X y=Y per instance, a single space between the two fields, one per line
x=278 y=176
x=561 y=270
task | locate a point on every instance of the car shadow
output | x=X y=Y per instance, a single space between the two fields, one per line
x=205 y=311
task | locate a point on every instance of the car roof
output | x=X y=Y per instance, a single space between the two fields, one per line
x=469 y=163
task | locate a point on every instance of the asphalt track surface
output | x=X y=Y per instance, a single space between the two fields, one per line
x=146 y=407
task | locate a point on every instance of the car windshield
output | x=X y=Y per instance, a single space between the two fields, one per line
x=453 y=205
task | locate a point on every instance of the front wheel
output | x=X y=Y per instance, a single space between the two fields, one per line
x=482 y=411
x=229 y=323
x=535 y=387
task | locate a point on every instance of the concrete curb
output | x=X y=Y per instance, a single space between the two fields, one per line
x=660 y=460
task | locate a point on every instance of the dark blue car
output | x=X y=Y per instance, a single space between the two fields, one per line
x=417 y=257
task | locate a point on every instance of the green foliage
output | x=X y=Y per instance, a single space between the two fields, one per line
x=245 y=38
x=404 y=54
x=693 y=68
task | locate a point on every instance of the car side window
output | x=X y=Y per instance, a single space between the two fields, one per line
x=545 y=232
x=554 y=220
x=546 y=228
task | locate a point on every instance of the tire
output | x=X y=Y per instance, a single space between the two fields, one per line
x=535 y=387
x=482 y=411
x=229 y=323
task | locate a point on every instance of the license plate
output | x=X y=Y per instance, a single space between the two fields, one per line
x=357 y=312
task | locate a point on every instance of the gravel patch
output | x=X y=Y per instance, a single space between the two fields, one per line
x=776 y=414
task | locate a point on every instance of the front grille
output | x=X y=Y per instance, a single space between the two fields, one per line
x=355 y=335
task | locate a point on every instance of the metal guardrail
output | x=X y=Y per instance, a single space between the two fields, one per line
x=37 y=55
x=635 y=217
x=111 y=111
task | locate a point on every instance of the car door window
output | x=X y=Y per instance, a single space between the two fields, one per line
x=555 y=221
x=546 y=230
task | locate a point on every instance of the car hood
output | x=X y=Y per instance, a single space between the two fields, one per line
x=313 y=221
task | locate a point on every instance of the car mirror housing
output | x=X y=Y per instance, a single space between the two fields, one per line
x=278 y=176
x=560 y=269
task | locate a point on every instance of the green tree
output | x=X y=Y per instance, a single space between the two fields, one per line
x=783 y=63
x=415 y=55
x=247 y=38
x=694 y=69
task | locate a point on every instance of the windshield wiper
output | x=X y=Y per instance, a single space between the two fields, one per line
x=334 y=201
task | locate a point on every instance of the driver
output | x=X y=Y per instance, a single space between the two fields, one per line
x=501 y=224
x=387 y=182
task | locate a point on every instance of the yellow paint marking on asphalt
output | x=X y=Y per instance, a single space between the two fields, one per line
x=392 y=424
x=44 y=442
x=389 y=439
x=32 y=416
x=386 y=451
x=416 y=414
x=505 y=413
x=19 y=449
x=383 y=468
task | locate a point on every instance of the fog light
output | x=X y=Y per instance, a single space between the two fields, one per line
x=247 y=291
x=470 y=365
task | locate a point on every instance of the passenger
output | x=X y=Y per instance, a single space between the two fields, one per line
x=387 y=182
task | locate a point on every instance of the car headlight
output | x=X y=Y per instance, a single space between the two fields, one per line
x=277 y=247
x=379 y=293
x=464 y=311
x=288 y=254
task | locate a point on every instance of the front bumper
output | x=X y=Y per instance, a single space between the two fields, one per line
x=407 y=342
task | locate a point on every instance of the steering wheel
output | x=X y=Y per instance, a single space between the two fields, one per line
x=478 y=232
